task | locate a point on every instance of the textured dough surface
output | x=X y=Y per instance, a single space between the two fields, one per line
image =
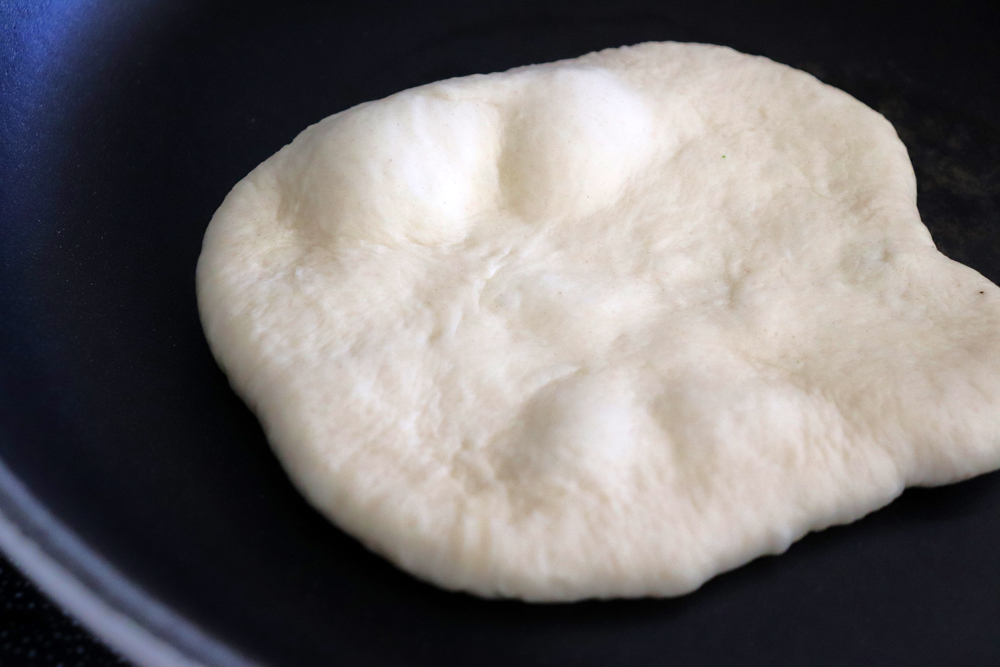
x=601 y=327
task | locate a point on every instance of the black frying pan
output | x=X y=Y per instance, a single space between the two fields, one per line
x=135 y=482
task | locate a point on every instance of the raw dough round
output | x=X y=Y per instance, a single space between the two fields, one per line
x=601 y=327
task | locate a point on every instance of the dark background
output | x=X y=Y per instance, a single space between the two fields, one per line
x=35 y=632
x=124 y=124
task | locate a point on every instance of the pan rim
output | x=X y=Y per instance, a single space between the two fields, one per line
x=123 y=615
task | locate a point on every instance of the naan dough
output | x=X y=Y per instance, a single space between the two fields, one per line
x=601 y=327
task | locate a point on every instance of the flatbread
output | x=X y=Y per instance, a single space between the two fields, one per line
x=602 y=327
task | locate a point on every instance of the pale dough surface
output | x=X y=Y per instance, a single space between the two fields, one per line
x=601 y=327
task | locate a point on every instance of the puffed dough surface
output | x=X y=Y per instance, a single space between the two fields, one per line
x=602 y=327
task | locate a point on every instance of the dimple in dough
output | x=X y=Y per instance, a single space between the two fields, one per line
x=602 y=327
